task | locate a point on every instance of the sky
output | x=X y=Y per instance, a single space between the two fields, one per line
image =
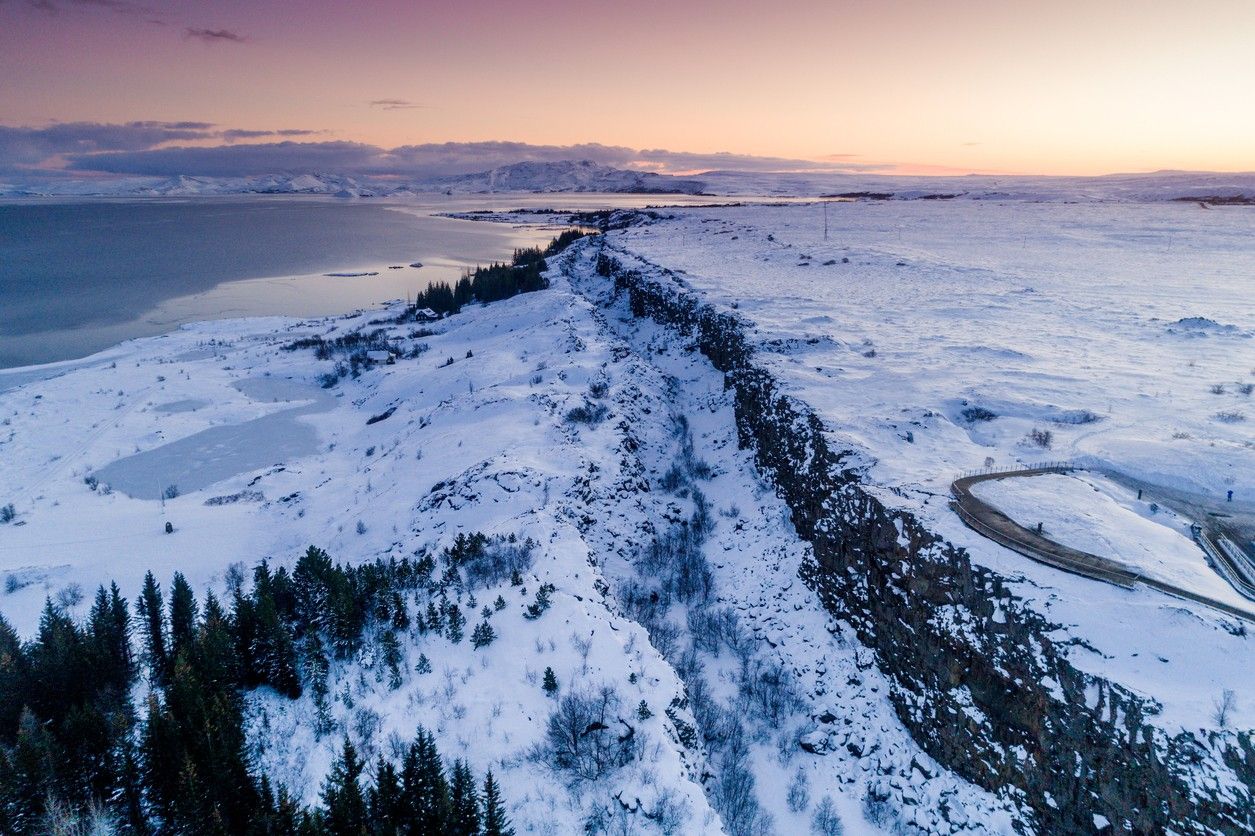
x=406 y=87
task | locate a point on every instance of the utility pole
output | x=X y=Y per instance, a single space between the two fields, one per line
x=825 y=220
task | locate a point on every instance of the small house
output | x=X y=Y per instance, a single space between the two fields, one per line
x=386 y=358
x=425 y=315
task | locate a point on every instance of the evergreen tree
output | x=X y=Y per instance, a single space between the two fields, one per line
x=463 y=802
x=456 y=622
x=424 y=664
x=391 y=658
x=495 y=822
x=499 y=604
x=426 y=790
x=182 y=615
x=387 y=803
x=151 y=610
x=345 y=812
x=483 y=635
x=550 y=683
x=642 y=711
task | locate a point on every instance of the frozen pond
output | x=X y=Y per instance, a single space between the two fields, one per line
x=211 y=455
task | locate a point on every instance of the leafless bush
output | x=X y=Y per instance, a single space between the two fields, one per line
x=171 y=492
x=1217 y=388
x=826 y=822
x=677 y=557
x=1224 y=707
x=70 y=595
x=585 y=736
x=1230 y=417
x=767 y=689
x=1246 y=388
x=974 y=414
x=497 y=561
x=733 y=793
x=591 y=414
x=665 y=636
x=799 y=795
x=1042 y=438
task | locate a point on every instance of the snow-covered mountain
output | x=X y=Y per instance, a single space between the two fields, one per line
x=583 y=176
x=569 y=176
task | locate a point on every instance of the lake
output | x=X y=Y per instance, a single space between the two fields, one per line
x=80 y=275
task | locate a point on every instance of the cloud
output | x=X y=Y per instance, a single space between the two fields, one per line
x=35 y=146
x=236 y=134
x=202 y=148
x=211 y=36
x=685 y=161
x=395 y=104
x=120 y=6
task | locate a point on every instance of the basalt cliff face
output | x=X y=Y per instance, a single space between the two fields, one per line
x=977 y=677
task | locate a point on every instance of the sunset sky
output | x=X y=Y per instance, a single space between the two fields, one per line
x=1061 y=87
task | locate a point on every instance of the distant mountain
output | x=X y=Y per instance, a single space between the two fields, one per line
x=568 y=176
x=571 y=176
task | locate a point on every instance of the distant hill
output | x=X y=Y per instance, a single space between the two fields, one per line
x=568 y=176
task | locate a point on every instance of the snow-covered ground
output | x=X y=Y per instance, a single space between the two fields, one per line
x=1096 y=515
x=1106 y=325
x=1123 y=331
x=218 y=430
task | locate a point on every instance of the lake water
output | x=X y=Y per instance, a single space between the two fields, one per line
x=77 y=276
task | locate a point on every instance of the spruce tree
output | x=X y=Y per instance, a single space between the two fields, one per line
x=463 y=802
x=387 y=803
x=426 y=790
x=345 y=811
x=551 y=682
x=483 y=635
x=494 y=822
x=152 y=613
x=424 y=664
x=182 y=615
x=391 y=651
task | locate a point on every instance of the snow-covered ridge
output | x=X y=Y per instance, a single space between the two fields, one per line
x=583 y=176
x=563 y=176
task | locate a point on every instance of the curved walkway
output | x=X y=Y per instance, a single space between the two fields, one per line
x=991 y=523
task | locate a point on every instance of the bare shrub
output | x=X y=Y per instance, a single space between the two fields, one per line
x=590 y=414
x=8 y=513
x=1230 y=417
x=825 y=821
x=767 y=689
x=171 y=492
x=498 y=560
x=799 y=795
x=974 y=414
x=1224 y=707
x=586 y=738
x=70 y=595
x=1041 y=438
x=1217 y=388
x=733 y=793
